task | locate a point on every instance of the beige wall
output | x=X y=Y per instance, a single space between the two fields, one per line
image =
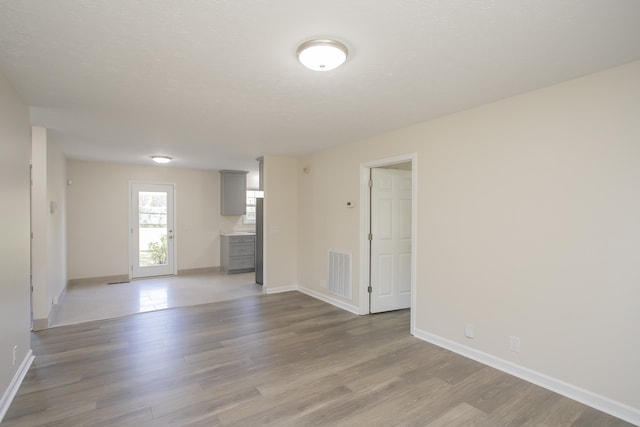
x=15 y=142
x=56 y=229
x=527 y=225
x=280 y=222
x=98 y=221
x=39 y=224
x=48 y=219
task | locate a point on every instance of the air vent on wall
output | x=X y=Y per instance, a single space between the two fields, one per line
x=339 y=277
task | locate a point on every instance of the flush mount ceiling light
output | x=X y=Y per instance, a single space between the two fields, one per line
x=161 y=159
x=322 y=54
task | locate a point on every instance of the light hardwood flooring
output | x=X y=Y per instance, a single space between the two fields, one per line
x=279 y=360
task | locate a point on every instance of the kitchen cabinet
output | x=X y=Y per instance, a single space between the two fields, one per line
x=237 y=253
x=233 y=192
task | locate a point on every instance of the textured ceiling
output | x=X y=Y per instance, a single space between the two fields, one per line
x=216 y=84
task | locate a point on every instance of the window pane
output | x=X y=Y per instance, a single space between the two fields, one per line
x=250 y=216
x=152 y=219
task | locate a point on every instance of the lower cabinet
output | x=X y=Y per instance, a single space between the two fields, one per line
x=237 y=253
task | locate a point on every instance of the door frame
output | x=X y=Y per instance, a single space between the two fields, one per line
x=174 y=269
x=365 y=226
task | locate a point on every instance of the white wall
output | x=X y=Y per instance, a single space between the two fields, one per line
x=39 y=224
x=280 y=222
x=15 y=141
x=528 y=225
x=98 y=221
x=48 y=221
x=56 y=227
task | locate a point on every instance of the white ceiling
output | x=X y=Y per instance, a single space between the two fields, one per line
x=215 y=83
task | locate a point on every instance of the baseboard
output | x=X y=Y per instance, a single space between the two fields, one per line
x=280 y=289
x=98 y=280
x=14 y=385
x=330 y=300
x=40 y=324
x=604 y=404
x=52 y=313
x=203 y=270
x=60 y=296
x=317 y=295
x=125 y=277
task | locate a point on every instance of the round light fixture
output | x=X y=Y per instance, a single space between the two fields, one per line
x=322 y=54
x=161 y=159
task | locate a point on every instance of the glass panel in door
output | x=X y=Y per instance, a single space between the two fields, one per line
x=152 y=231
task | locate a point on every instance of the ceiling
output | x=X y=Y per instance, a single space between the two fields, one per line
x=215 y=83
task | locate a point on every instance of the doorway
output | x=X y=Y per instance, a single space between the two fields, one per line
x=388 y=230
x=390 y=242
x=152 y=237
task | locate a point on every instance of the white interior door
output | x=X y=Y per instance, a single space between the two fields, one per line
x=152 y=230
x=390 y=240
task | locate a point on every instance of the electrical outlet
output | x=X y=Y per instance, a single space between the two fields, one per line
x=15 y=352
x=469 y=330
x=514 y=344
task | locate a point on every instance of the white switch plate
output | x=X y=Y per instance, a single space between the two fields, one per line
x=469 y=330
x=514 y=344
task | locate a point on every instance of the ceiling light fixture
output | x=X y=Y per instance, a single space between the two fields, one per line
x=161 y=159
x=322 y=54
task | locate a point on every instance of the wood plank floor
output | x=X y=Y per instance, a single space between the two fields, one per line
x=281 y=360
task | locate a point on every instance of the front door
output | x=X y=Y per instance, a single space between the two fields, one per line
x=390 y=239
x=152 y=230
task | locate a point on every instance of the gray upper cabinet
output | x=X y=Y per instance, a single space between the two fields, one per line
x=233 y=192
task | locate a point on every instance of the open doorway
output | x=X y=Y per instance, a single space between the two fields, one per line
x=388 y=235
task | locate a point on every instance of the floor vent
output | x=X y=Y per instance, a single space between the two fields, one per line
x=339 y=279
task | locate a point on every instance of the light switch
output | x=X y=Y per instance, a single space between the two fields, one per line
x=469 y=330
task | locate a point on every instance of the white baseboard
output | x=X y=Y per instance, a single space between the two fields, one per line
x=14 y=385
x=330 y=300
x=200 y=270
x=280 y=289
x=604 y=404
x=60 y=297
x=317 y=295
x=40 y=324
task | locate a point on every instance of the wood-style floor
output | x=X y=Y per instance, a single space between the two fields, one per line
x=281 y=360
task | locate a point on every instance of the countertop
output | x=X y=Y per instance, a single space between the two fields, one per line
x=239 y=233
